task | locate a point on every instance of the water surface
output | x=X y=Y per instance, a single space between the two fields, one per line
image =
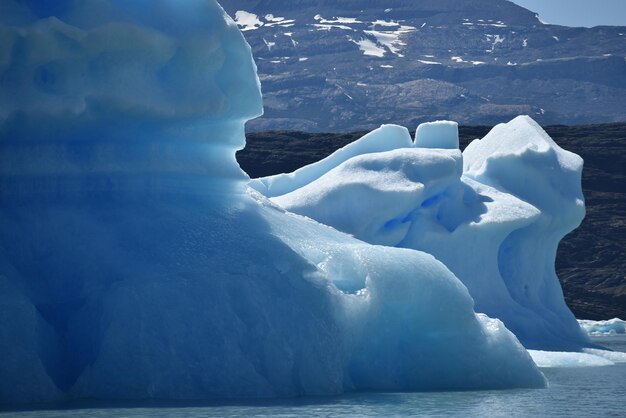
x=588 y=391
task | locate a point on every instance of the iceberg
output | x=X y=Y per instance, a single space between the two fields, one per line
x=494 y=215
x=600 y=328
x=589 y=357
x=136 y=263
x=557 y=359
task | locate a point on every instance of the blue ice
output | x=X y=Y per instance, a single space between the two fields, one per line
x=136 y=263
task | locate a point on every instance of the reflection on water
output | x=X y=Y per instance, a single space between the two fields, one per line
x=590 y=391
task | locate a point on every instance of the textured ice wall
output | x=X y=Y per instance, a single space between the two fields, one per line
x=520 y=159
x=494 y=216
x=134 y=263
x=114 y=115
x=114 y=95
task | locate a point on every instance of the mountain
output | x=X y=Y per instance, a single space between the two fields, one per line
x=352 y=65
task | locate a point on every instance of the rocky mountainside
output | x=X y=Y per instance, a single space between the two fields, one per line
x=591 y=261
x=349 y=65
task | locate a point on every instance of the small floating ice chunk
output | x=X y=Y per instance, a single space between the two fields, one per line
x=567 y=359
x=614 y=356
x=610 y=327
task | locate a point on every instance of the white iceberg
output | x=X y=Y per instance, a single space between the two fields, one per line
x=559 y=359
x=599 y=328
x=589 y=357
x=494 y=215
x=134 y=261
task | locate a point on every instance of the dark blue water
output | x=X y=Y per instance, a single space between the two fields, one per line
x=588 y=391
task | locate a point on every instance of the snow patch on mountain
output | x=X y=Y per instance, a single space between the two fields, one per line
x=391 y=39
x=369 y=48
x=341 y=20
x=429 y=62
x=389 y=23
x=494 y=40
x=326 y=26
x=247 y=21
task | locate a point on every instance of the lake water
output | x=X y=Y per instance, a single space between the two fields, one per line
x=589 y=391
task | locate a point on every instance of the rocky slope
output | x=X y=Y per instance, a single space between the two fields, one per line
x=591 y=261
x=350 y=65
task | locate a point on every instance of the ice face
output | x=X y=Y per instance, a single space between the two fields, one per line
x=134 y=263
x=493 y=216
x=111 y=58
x=439 y=134
x=519 y=158
x=104 y=95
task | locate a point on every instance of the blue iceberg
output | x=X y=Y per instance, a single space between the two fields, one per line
x=136 y=263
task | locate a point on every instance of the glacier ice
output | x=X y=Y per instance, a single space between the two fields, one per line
x=135 y=262
x=494 y=215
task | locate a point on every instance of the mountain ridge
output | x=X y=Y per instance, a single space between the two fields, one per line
x=341 y=67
